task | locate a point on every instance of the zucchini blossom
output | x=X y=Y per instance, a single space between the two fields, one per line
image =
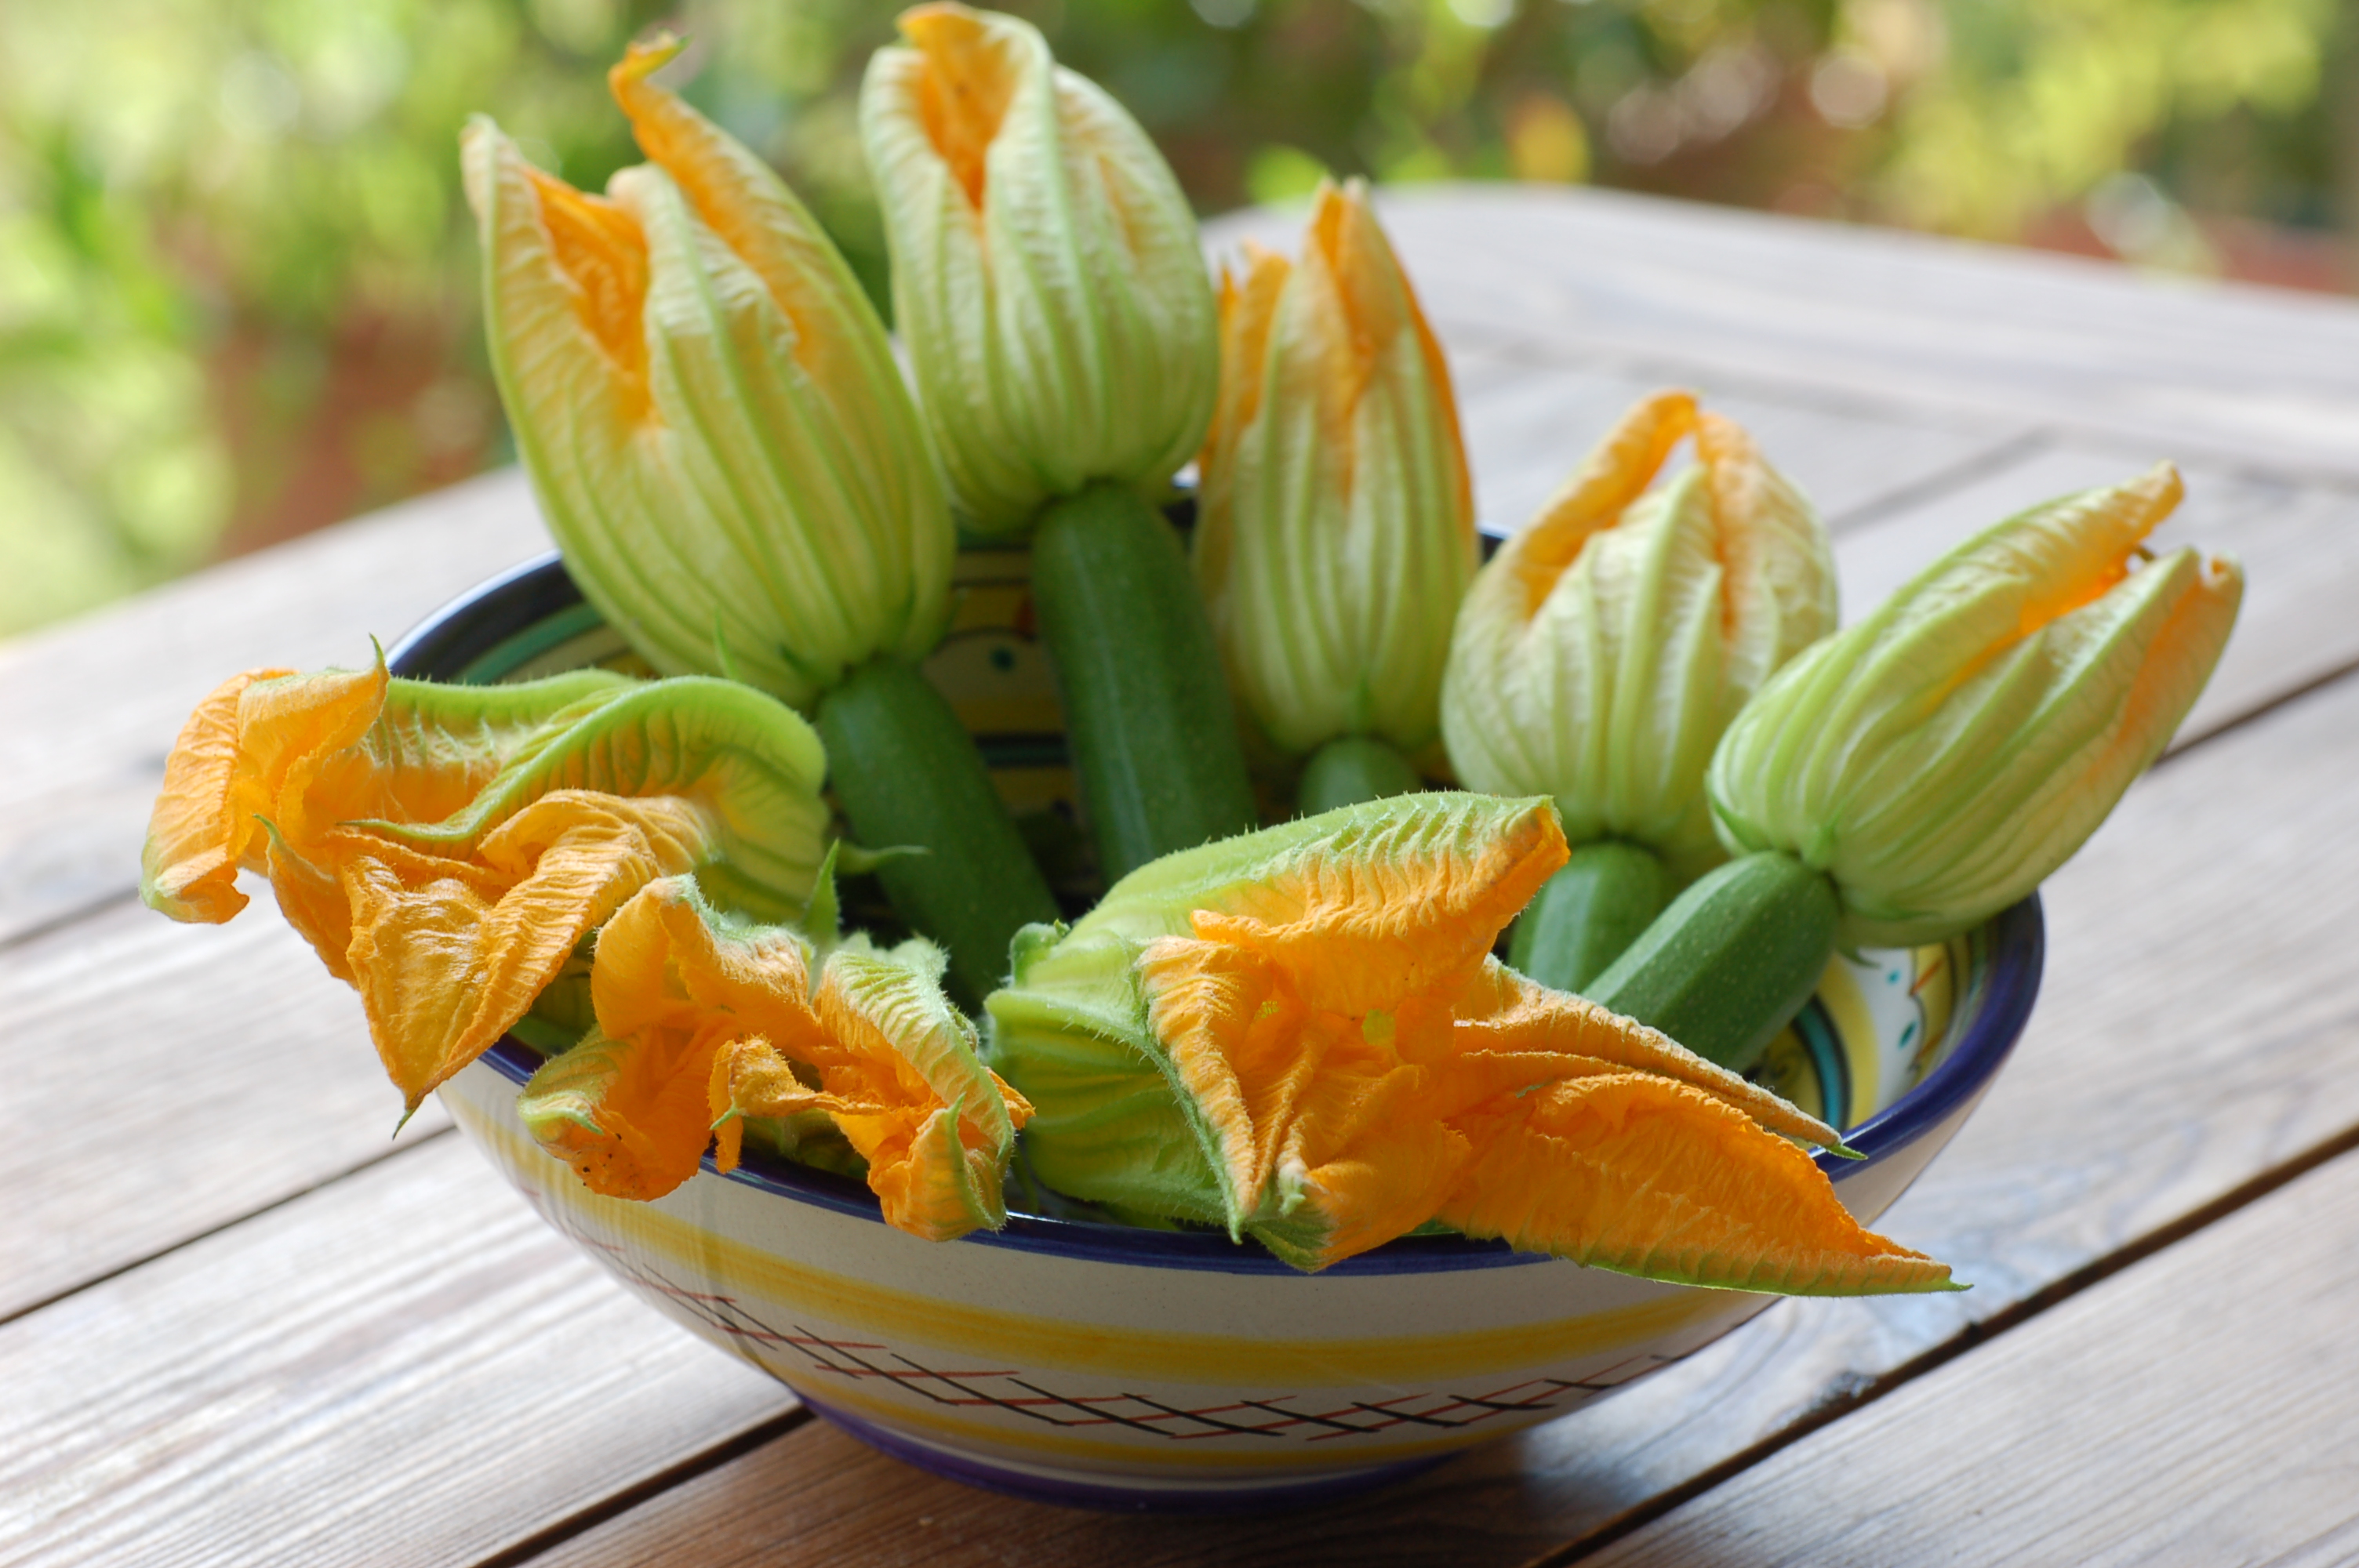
x=724 y=447
x=704 y=1021
x=1046 y=274
x=1941 y=758
x=1603 y=651
x=445 y=849
x=708 y=406
x=1300 y=1033
x=1335 y=522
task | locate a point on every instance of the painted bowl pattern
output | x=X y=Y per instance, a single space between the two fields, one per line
x=1098 y=1364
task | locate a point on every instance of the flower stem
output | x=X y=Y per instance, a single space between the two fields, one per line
x=1146 y=710
x=1350 y=769
x=1587 y=915
x=1731 y=960
x=906 y=772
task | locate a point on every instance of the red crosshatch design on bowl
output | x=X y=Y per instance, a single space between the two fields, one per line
x=1277 y=1417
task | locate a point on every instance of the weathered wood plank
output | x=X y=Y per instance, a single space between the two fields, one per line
x=163 y=1081
x=2195 y=1409
x=88 y=710
x=2298 y=544
x=1654 y=288
x=1529 y=423
x=2198 y=1027
x=404 y=1367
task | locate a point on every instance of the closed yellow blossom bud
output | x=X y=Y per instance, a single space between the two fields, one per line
x=1046 y=276
x=709 y=408
x=1941 y=758
x=1335 y=520
x=1603 y=650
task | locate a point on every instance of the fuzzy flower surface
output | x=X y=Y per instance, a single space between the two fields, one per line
x=1604 y=649
x=1335 y=516
x=1046 y=276
x=708 y=406
x=1301 y=1034
x=1941 y=757
x=445 y=849
x=703 y=1022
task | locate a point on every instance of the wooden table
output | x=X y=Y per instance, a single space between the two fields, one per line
x=239 y=1326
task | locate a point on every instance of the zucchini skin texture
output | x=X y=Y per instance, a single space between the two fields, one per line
x=1350 y=769
x=1731 y=960
x=907 y=774
x=1590 y=912
x=1148 y=714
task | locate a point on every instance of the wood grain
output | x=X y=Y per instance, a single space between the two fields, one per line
x=88 y=710
x=162 y=1080
x=1527 y=425
x=406 y=1367
x=2195 y=1409
x=2200 y=1024
x=1654 y=288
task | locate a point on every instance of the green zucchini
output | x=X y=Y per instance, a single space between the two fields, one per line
x=1147 y=716
x=1587 y=915
x=1731 y=960
x=907 y=774
x=1350 y=769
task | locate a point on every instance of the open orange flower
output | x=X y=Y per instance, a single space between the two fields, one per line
x=1313 y=1012
x=701 y=1024
x=445 y=849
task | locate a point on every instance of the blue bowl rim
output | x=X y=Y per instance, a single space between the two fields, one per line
x=478 y=620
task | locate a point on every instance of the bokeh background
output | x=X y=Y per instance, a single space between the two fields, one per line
x=237 y=278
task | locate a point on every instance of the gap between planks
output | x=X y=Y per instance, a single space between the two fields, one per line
x=1974 y=1338
x=2192 y=1410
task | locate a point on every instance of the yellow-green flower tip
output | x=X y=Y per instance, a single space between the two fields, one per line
x=1603 y=650
x=1940 y=759
x=708 y=408
x=1046 y=276
x=1335 y=519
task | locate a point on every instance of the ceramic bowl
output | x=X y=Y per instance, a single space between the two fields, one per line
x=1098 y=1364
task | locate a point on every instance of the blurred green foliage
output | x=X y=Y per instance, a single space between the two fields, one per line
x=237 y=277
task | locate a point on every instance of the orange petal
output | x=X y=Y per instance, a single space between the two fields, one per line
x=1408 y=901
x=197 y=835
x=629 y=1116
x=244 y=768
x=664 y=961
x=446 y=959
x=1615 y=474
x=1242 y=1050
x=972 y=72
x=742 y=199
x=1501 y=1014
x=1645 y=1176
x=947 y=1124
x=1367 y=1160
